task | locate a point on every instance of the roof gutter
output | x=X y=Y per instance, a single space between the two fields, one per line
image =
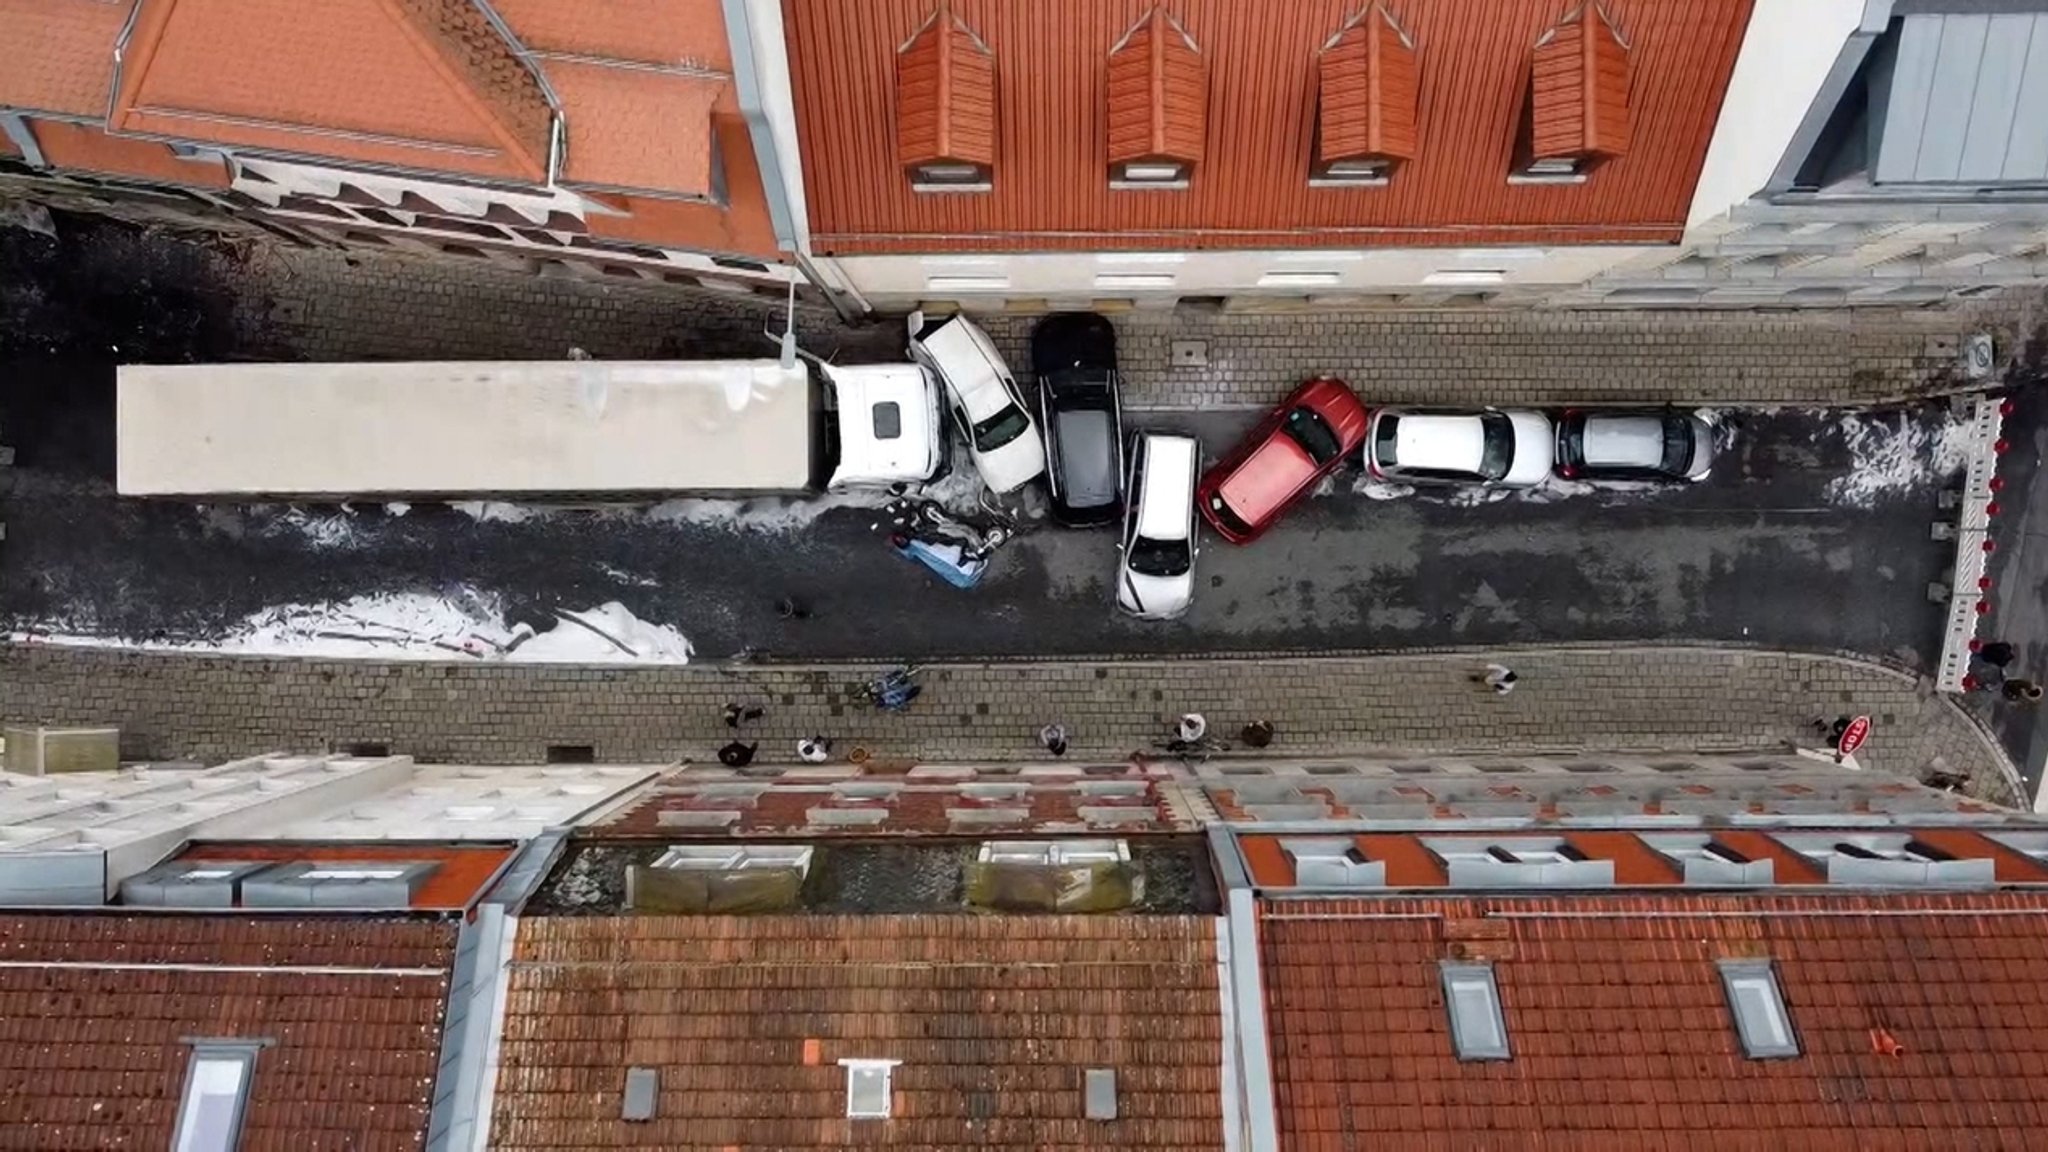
x=1248 y=1083
x=741 y=38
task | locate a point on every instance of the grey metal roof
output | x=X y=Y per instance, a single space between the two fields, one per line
x=1965 y=101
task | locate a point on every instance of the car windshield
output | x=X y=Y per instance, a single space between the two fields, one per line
x=1677 y=445
x=1150 y=557
x=1000 y=428
x=1499 y=452
x=1313 y=433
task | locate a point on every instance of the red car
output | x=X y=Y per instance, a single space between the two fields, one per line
x=1292 y=449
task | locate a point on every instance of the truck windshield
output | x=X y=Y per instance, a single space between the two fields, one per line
x=1000 y=429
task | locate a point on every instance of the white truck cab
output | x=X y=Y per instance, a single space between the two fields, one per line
x=888 y=423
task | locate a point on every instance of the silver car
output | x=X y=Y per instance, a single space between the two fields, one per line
x=1657 y=444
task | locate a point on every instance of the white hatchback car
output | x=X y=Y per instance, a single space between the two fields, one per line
x=1510 y=448
x=984 y=400
x=1155 y=577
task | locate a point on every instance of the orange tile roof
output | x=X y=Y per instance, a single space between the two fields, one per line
x=60 y=53
x=994 y=1018
x=96 y=1057
x=945 y=95
x=630 y=128
x=459 y=882
x=1365 y=91
x=1620 y=1032
x=417 y=84
x=88 y=149
x=1158 y=93
x=1252 y=188
x=1579 y=88
x=667 y=32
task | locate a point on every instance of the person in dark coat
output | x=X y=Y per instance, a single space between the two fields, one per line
x=736 y=754
x=1257 y=734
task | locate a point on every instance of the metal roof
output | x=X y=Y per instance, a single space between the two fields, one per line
x=1954 y=101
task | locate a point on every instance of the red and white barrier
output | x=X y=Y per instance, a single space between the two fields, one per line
x=1970 y=588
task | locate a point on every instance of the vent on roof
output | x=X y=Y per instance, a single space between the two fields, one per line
x=1099 y=1094
x=867 y=1088
x=1518 y=862
x=338 y=884
x=1054 y=876
x=1158 y=104
x=1055 y=852
x=946 y=106
x=1758 y=1008
x=1706 y=861
x=216 y=1092
x=725 y=879
x=1366 y=81
x=190 y=884
x=643 y=1085
x=1479 y=1030
x=1333 y=863
x=1578 y=111
x=1887 y=859
x=736 y=857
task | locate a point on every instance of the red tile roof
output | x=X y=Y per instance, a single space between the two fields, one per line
x=630 y=128
x=60 y=53
x=1158 y=93
x=95 y=1024
x=1579 y=88
x=457 y=884
x=1122 y=800
x=1251 y=190
x=1365 y=91
x=417 y=84
x=86 y=148
x=1620 y=1032
x=945 y=95
x=664 y=32
x=995 y=1020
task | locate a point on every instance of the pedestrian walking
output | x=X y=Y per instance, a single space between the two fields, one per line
x=2021 y=690
x=814 y=749
x=1499 y=677
x=1053 y=738
x=738 y=714
x=1190 y=728
x=1831 y=730
x=1257 y=734
x=736 y=754
x=1997 y=653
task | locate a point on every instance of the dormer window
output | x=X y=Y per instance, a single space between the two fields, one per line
x=1518 y=862
x=1151 y=173
x=1158 y=105
x=1886 y=859
x=1554 y=166
x=950 y=178
x=946 y=107
x=1366 y=86
x=1577 y=114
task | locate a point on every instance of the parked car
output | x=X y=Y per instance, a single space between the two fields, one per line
x=1510 y=448
x=1155 y=578
x=1641 y=444
x=1301 y=441
x=1073 y=355
x=983 y=398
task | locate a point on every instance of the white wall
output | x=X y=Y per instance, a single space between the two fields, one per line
x=1164 y=276
x=1786 y=53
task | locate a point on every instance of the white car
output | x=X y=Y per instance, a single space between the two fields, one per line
x=1155 y=577
x=1510 y=448
x=984 y=400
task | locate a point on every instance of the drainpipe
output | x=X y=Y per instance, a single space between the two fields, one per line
x=1252 y=1085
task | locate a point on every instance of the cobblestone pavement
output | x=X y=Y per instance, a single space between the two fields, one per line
x=1639 y=699
x=372 y=306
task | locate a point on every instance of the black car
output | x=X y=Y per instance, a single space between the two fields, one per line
x=1657 y=444
x=1073 y=355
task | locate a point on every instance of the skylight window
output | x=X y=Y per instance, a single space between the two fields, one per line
x=1479 y=1030
x=867 y=1088
x=1055 y=852
x=1149 y=174
x=1518 y=862
x=1756 y=1004
x=1333 y=862
x=736 y=857
x=216 y=1089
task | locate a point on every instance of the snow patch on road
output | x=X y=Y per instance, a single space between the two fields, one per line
x=417 y=626
x=337 y=530
x=497 y=512
x=1893 y=454
x=1375 y=489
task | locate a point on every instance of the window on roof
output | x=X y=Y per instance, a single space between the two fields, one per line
x=1333 y=862
x=1149 y=174
x=1368 y=171
x=1479 y=1030
x=1055 y=852
x=1554 y=166
x=950 y=177
x=1757 y=1006
x=1705 y=860
x=216 y=1090
x=1886 y=858
x=736 y=857
x=867 y=1088
x=327 y=873
x=1518 y=862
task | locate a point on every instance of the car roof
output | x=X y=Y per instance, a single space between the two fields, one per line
x=864 y=456
x=1634 y=441
x=1266 y=478
x=1166 y=506
x=972 y=367
x=1438 y=440
x=1087 y=456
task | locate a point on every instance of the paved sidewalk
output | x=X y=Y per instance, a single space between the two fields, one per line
x=1570 y=700
x=372 y=306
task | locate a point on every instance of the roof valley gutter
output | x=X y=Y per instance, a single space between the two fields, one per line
x=120 y=58
x=474 y=1023
x=540 y=78
x=1248 y=1066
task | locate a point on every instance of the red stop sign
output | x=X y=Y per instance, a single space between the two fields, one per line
x=1853 y=738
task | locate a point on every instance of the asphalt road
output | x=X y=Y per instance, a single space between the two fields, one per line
x=1764 y=553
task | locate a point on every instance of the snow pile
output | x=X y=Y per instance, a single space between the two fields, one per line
x=492 y=511
x=1375 y=489
x=416 y=626
x=1892 y=454
x=335 y=530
